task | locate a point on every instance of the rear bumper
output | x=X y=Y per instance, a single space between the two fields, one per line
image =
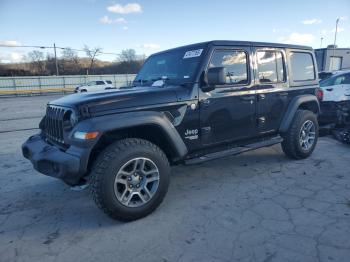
x=51 y=161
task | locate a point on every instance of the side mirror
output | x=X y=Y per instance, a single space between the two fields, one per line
x=215 y=76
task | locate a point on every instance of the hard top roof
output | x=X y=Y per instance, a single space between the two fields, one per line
x=241 y=43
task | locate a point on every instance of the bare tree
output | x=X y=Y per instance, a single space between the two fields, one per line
x=70 y=60
x=128 y=55
x=37 y=61
x=92 y=54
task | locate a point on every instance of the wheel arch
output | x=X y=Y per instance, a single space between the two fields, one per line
x=305 y=102
x=152 y=126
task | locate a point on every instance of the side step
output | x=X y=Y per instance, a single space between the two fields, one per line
x=234 y=151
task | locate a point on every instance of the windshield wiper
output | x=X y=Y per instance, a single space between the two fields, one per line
x=188 y=83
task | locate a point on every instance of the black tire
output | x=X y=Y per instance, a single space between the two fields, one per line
x=291 y=144
x=83 y=90
x=105 y=170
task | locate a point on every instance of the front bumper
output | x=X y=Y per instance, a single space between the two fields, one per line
x=51 y=161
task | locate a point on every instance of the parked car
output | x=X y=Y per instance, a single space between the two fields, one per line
x=336 y=98
x=94 y=86
x=188 y=105
x=325 y=75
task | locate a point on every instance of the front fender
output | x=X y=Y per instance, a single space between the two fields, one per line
x=114 y=122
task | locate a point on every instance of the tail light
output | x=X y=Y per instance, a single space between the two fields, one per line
x=319 y=94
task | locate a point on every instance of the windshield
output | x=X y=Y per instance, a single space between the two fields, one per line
x=174 y=67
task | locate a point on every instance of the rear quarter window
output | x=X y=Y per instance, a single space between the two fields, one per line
x=302 y=66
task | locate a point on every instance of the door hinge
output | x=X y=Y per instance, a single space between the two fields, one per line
x=206 y=130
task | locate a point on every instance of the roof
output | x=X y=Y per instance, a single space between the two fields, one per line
x=240 y=43
x=250 y=43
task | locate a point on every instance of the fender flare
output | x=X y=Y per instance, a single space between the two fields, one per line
x=115 y=122
x=293 y=107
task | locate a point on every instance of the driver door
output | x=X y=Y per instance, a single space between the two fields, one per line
x=227 y=113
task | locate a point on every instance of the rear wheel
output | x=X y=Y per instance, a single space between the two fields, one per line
x=301 y=138
x=130 y=179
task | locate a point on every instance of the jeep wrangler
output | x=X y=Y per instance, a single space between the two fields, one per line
x=186 y=105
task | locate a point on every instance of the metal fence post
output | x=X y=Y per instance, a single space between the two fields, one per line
x=64 y=84
x=15 y=86
x=115 y=81
x=39 y=79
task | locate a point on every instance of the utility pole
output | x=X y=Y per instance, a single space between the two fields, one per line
x=335 y=41
x=54 y=47
x=321 y=41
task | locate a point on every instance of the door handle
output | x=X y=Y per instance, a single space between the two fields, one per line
x=283 y=94
x=262 y=96
x=329 y=89
x=247 y=98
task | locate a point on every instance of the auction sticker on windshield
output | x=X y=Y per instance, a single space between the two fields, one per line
x=193 y=53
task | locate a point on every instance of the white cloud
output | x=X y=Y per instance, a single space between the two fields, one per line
x=11 y=57
x=324 y=32
x=297 y=38
x=106 y=20
x=125 y=28
x=340 y=29
x=150 y=46
x=10 y=43
x=125 y=9
x=312 y=21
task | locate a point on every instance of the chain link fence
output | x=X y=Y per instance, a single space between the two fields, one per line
x=37 y=85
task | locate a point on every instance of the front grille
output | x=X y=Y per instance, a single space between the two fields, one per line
x=54 y=123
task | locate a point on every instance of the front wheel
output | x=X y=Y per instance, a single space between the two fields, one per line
x=301 y=138
x=130 y=179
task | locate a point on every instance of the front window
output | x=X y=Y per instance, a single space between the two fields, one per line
x=235 y=62
x=176 y=66
x=92 y=83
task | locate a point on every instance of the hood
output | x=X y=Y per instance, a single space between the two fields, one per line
x=113 y=100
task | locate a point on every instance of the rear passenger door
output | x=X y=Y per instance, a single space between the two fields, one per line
x=271 y=88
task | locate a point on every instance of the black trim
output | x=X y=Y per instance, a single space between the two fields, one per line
x=109 y=123
x=293 y=107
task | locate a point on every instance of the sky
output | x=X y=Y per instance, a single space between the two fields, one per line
x=149 y=26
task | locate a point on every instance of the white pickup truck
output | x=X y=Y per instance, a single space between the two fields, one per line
x=94 y=86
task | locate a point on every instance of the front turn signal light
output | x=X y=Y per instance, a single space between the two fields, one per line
x=85 y=135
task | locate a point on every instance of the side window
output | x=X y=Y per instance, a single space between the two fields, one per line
x=235 y=63
x=346 y=79
x=100 y=83
x=339 y=80
x=302 y=66
x=109 y=82
x=270 y=66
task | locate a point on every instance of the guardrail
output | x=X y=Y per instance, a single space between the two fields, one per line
x=37 y=85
